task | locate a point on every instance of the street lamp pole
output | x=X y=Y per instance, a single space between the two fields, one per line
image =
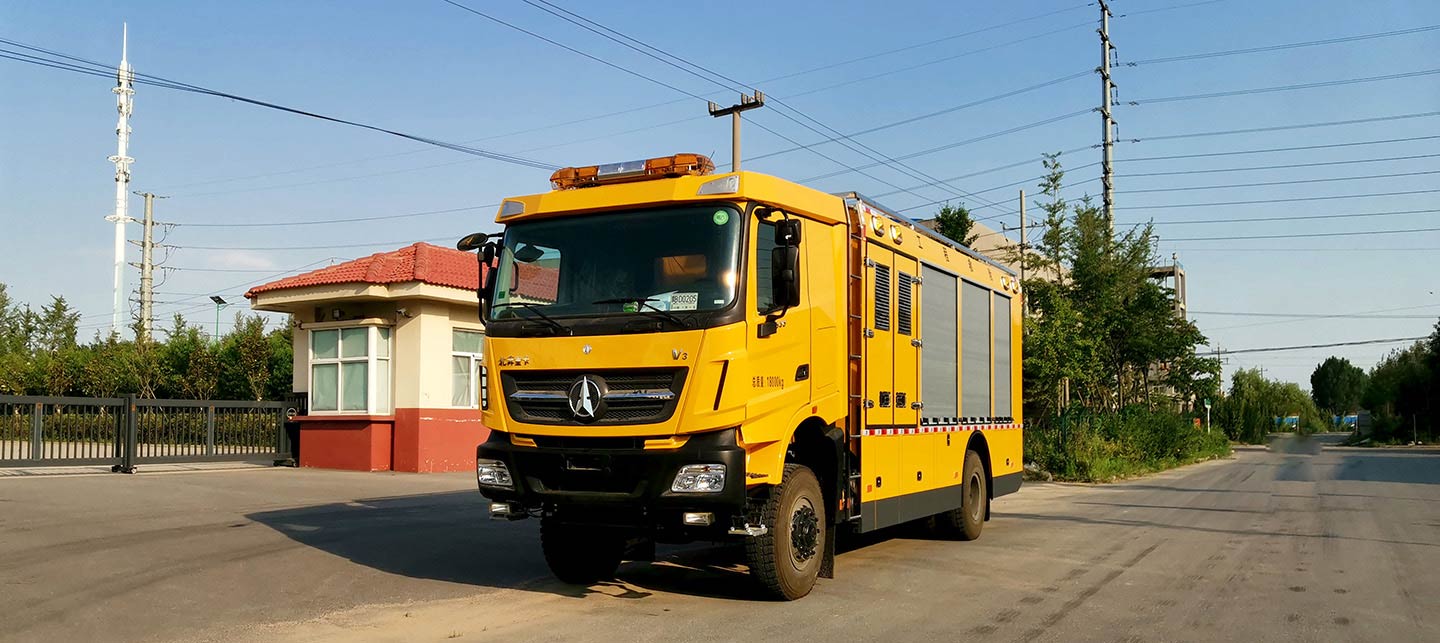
x=219 y=303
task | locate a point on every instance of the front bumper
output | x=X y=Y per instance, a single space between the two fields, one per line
x=585 y=473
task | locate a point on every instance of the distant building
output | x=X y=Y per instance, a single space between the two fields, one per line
x=388 y=356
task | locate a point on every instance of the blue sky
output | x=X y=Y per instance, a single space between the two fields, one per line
x=428 y=68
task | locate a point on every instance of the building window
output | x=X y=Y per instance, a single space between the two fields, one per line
x=467 y=354
x=350 y=370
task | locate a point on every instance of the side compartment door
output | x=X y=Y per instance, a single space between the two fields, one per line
x=880 y=337
x=917 y=450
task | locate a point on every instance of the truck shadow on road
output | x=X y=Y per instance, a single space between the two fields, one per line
x=449 y=537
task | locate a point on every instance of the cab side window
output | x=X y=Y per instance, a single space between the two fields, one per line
x=764 y=288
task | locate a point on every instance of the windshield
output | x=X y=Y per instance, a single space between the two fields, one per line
x=672 y=261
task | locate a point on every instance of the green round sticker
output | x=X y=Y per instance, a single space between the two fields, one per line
x=721 y=217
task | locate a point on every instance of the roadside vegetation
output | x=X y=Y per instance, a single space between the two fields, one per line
x=41 y=354
x=1113 y=386
x=1402 y=394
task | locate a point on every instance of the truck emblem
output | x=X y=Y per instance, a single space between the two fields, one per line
x=584 y=398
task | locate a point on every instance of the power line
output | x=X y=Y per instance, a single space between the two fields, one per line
x=1293 y=45
x=948 y=110
x=1272 y=349
x=935 y=41
x=278 y=224
x=640 y=75
x=1292 y=321
x=1285 y=166
x=1296 y=148
x=1308 y=315
x=1289 y=182
x=956 y=144
x=677 y=101
x=401 y=242
x=1277 y=128
x=1430 y=249
x=1284 y=88
x=1259 y=201
x=1186 y=5
x=157 y=81
x=1307 y=235
x=1307 y=217
x=844 y=140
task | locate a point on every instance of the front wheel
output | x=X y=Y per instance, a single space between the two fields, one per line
x=579 y=555
x=786 y=560
x=966 y=521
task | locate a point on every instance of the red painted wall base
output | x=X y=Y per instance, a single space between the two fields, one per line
x=436 y=440
x=414 y=440
x=354 y=442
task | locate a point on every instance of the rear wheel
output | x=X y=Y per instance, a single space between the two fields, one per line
x=786 y=560
x=580 y=555
x=966 y=521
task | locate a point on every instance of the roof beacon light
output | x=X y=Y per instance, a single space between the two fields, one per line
x=570 y=178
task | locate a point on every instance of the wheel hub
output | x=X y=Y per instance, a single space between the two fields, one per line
x=804 y=533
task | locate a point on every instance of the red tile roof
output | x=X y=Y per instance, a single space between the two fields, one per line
x=421 y=262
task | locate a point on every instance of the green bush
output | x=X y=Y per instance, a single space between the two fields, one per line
x=1096 y=446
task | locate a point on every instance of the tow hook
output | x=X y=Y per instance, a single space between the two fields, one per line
x=749 y=530
x=507 y=511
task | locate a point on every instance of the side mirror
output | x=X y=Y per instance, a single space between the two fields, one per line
x=785 y=275
x=472 y=241
x=486 y=265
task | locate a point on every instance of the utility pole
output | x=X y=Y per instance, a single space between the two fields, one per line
x=746 y=103
x=1107 y=122
x=147 y=266
x=1024 y=253
x=125 y=97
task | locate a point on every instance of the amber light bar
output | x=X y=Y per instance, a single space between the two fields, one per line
x=569 y=178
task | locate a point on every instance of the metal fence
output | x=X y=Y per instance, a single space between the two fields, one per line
x=124 y=432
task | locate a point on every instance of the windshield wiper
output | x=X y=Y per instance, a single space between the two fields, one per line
x=646 y=302
x=535 y=308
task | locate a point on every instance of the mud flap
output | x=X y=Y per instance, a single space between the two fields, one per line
x=827 y=560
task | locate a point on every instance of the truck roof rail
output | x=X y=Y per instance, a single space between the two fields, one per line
x=921 y=229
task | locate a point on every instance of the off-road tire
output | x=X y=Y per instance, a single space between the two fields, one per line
x=580 y=555
x=966 y=521
x=795 y=516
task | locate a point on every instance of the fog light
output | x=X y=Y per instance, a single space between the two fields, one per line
x=699 y=478
x=499 y=509
x=699 y=519
x=493 y=473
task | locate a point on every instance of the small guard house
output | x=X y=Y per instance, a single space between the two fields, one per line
x=388 y=353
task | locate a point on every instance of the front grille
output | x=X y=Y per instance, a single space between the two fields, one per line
x=631 y=396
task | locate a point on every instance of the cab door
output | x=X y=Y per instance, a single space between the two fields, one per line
x=778 y=381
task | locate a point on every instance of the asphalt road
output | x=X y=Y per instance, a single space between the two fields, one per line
x=1298 y=544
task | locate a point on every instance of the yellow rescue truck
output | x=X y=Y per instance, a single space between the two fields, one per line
x=673 y=355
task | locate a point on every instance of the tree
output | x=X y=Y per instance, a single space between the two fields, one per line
x=1336 y=385
x=1053 y=239
x=956 y=223
x=57 y=364
x=252 y=351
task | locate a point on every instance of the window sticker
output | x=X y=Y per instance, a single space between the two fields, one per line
x=721 y=217
x=684 y=301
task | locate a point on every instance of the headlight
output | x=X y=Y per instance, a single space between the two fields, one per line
x=493 y=473
x=699 y=478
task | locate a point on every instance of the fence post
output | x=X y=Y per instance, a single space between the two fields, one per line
x=132 y=426
x=37 y=428
x=210 y=430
